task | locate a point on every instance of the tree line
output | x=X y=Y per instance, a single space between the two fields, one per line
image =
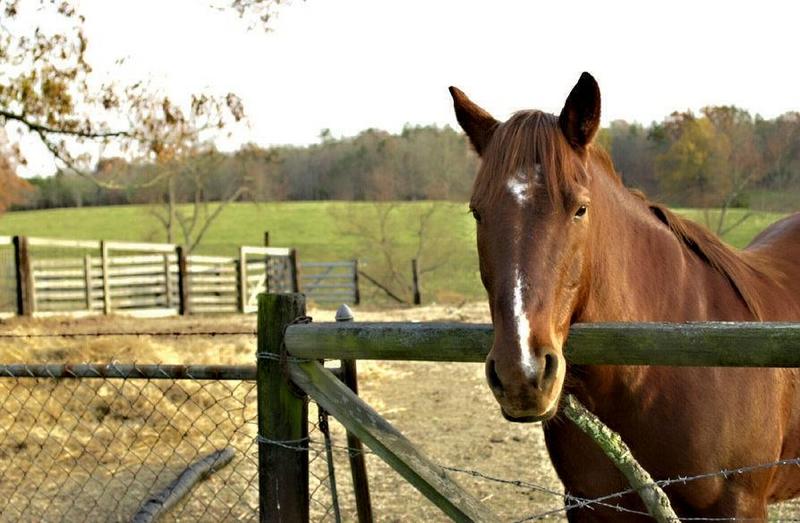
x=721 y=157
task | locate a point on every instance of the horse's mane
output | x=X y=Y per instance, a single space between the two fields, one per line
x=529 y=138
x=741 y=268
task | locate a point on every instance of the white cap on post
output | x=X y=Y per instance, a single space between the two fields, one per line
x=343 y=313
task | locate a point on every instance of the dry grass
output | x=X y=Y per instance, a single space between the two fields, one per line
x=92 y=450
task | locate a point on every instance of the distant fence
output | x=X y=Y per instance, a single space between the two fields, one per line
x=331 y=282
x=56 y=276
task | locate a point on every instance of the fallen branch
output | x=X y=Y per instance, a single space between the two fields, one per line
x=164 y=500
x=618 y=452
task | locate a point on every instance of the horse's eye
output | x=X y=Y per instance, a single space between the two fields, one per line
x=476 y=215
x=581 y=212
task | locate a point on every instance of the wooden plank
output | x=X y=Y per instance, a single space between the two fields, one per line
x=200 y=259
x=213 y=269
x=57 y=274
x=265 y=251
x=135 y=281
x=57 y=263
x=104 y=267
x=87 y=281
x=136 y=270
x=213 y=309
x=142 y=259
x=55 y=295
x=140 y=246
x=43 y=285
x=680 y=344
x=241 y=288
x=213 y=289
x=383 y=439
x=139 y=301
x=6 y=240
x=226 y=300
x=138 y=290
x=168 y=288
x=282 y=417
x=64 y=244
x=215 y=280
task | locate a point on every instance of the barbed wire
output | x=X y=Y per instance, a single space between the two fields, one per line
x=572 y=502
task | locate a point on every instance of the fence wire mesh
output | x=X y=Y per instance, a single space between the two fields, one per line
x=97 y=449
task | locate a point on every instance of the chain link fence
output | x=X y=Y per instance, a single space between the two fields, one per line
x=101 y=442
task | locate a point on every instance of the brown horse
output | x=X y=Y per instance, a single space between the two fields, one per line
x=560 y=241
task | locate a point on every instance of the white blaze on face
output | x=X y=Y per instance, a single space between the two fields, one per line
x=523 y=327
x=521 y=186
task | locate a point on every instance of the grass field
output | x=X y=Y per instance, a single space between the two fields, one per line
x=320 y=231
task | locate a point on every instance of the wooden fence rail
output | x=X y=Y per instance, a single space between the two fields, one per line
x=714 y=344
x=300 y=347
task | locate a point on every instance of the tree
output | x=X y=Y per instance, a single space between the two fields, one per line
x=13 y=189
x=709 y=161
x=47 y=90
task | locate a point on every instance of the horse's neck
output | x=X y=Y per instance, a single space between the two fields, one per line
x=640 y=271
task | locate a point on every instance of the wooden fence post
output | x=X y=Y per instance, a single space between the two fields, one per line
x=241 y=278
x=358 y=465
x=282 y=416
x=415 y=282
x=168 y=281
x=356 y=290
x=87 y=280
x=183 y=281
x=105 y=265
x=24 y=276
x=266 y=263
x=293 y=268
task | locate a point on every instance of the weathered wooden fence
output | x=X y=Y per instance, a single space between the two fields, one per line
x=289 y=361
x=55 y=276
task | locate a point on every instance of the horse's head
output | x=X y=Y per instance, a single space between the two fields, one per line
x=532 y=205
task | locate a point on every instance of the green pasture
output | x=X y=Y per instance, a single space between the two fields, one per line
x=324 y=231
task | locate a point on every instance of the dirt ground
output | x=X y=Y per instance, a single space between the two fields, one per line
x=445 y=409
x=94 y=450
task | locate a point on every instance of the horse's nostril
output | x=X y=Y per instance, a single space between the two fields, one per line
x=493 y=378
x=550 y=367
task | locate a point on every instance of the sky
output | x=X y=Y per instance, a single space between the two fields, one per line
x=347 y=65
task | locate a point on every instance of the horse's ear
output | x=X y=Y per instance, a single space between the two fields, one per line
x=580 y=117
x=477 y=123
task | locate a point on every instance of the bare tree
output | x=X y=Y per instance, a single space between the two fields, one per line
x=390 y=235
